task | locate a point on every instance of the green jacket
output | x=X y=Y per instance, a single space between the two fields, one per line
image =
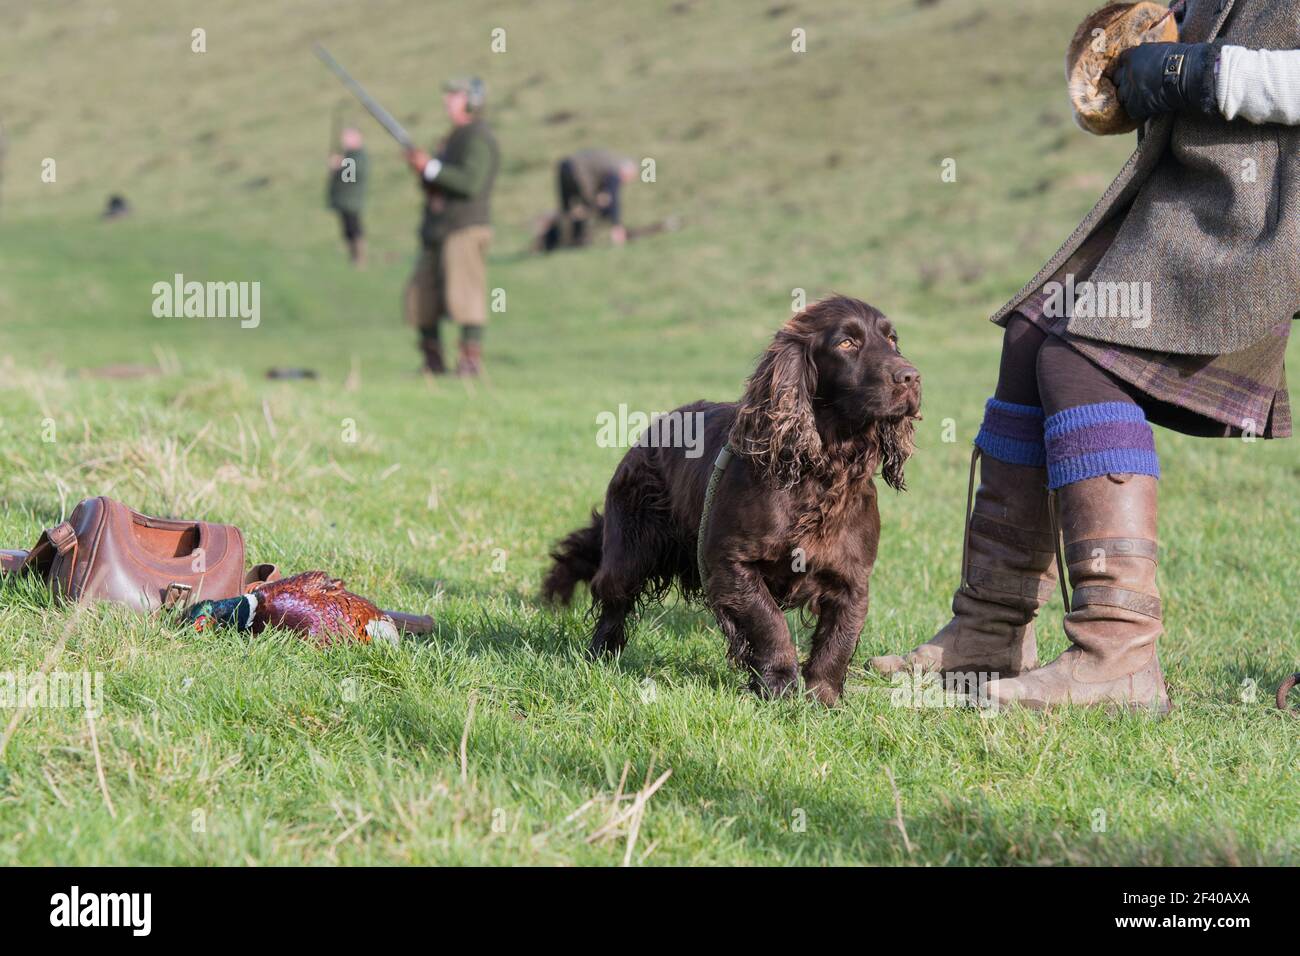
x=347 y=195
x=459 y=195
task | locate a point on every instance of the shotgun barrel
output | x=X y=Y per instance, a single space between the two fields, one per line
x=381 y=115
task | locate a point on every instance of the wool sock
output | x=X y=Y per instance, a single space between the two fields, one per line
x=1012 y=433
x=1092 y=440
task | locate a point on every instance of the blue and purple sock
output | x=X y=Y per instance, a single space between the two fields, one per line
x=1093 y=440
x=1012 y=433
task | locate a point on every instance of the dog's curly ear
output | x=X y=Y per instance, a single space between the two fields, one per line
x=774 y=425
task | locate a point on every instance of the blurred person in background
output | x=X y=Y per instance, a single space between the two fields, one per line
x=450 y=277
x=590 y=184
x=346 y=193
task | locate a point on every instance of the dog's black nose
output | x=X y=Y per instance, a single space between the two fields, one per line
x=907 y=375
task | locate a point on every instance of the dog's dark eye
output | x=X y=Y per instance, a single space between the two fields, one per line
x=847 y=345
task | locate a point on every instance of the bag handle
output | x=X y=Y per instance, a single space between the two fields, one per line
x=260 y=574
x=61 y=540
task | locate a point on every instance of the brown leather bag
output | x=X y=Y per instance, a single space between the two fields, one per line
x=107 y=552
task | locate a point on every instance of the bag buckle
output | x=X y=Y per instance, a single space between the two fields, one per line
x=175 y=594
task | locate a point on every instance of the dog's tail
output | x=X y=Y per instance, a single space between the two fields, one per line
x=576 y=559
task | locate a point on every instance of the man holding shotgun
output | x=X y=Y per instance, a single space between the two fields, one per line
x=450 y=278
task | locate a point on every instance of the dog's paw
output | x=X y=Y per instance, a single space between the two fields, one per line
x=771 y=683
x=823 y=691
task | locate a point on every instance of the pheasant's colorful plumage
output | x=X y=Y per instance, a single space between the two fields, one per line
x=312 y=603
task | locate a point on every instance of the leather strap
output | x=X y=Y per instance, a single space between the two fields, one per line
x=11 y=562
x=1134 y=601
x=719 y=466
x=986 y=527
x=1055 y=525
x=1110 y=548
x=966 y=519
x=63 y=538
x=176 y=594
x=1025 y=586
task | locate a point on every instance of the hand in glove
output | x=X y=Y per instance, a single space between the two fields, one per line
x=1155 y=78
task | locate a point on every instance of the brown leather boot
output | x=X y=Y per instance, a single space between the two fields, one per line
x=1008 y=573
x=1109 y=528
x=357 y=252
x=470 y=363
x=432 y=350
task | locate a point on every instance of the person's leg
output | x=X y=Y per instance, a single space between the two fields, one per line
x=1017 y=370
x=569 y=191
x=554 y=233
x=353 y=235
x=572 y=207
x=1007 y=556
x=356 y=240
x=578 y=225
x=470 y=362
x=551 y=233
x=345 y=230
x=465 y=261
x=1068 y=379
x=422 y=303
x=1103 y=470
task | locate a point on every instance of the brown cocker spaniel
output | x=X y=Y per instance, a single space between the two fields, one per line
x=794 y=522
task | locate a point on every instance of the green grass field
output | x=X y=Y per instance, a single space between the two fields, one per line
x=818 y=171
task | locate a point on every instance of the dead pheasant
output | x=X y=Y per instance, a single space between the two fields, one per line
x=1097 y=44
x=312 y=603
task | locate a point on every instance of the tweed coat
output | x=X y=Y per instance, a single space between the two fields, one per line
x=1208 y=214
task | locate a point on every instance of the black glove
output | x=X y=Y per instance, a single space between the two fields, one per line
x=1155 y=78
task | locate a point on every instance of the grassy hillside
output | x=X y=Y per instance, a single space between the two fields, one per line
x=818 y=171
